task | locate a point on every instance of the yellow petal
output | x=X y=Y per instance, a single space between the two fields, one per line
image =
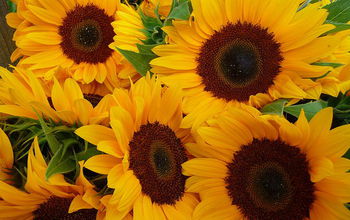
x=6 y=151
x=17 y=111
x=47 y=38
x=111 y=148
x=17 y=197
x=54 y=6
x=77 y=204
x=319 y=127
x=184 y=62
x=213 y=209
x=127 y=190
x=114 y=175
x=101 y=163
x=214 y=13
x=59 y=100
x=84 y=110
x=95 y=133
x=215 y=137
x=13 y=20
x=320 y=168
x=205 y=167
x=45 y=15
x=72 y=89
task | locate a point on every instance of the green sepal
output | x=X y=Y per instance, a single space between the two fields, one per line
x=54 y=144
x=89 y=151
x=140 y=61
x=60 y=163
x=12 y=6
x=274 y=108
x=339 y=11
x=152 y=29
x=310 y=109
x=334 y=65
x=338 y=27
x=341 y=109
x=180 y=10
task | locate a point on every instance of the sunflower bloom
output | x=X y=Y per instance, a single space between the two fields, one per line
x=249 y=167
x=144 y=152
x=24 y=95
x=55 y=199
x=72 y=34
x=243 y=51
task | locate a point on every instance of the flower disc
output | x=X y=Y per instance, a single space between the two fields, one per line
x=156 y=155
x=270 y=180
x=57 y=208
x=238 y=61
x=86 y=33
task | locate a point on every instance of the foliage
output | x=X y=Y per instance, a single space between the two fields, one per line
x=181 y=10
x=61 y=148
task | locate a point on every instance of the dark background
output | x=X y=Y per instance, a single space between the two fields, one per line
x=7 y=46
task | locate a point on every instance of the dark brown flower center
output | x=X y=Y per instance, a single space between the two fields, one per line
x=86 y=33
x=238 y=61
x=93 y=99
x=270 y=180
x=156 y=155
x=56 y=208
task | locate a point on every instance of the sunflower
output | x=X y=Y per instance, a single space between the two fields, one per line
x=144 y=152
x=22 y=94
x=243 y=51
x=6 y=157
x=252 y=167
x=72 y=34
x=52 y=199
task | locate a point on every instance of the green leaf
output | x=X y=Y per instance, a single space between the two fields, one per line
x=334 y=65
x=90 y=152
x=339 y=11
x=149 y=22
x=146 y=49
x=11 y=5
x=140 y=61
x=275 y=108
x=321 y=77
x=180 y=11
x=338 y=27
x=310 y=108
x=60 y=163
x=67 y=143
x=54 y=144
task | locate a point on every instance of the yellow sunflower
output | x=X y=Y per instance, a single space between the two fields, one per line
x=144 y=152
x=52 y=199
x=243 y=51
x=6 y=157
x=72 y=34
x=252 y=167
x=21 y=94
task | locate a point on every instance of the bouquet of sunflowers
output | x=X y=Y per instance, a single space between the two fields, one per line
x=176 y=109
